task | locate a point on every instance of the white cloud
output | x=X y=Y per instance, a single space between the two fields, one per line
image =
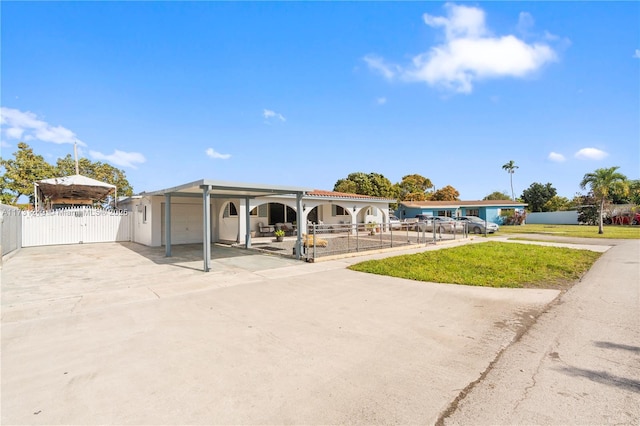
x=269 y=114
x=525 y=22
x=591 y=154
x=27 y=126
x=120 y=158
x=556 y=158
x=4 y=144
x=636 y=54
x=470 y=53
x=378 y=64
x=381 y=101
x=214 y=154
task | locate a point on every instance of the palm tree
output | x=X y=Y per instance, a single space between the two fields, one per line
x=603 y=182
x=511 y=167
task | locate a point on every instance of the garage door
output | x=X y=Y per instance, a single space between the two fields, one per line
x=186 y=223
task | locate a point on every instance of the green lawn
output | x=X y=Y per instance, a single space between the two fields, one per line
x=583 y=231
x=490 y=264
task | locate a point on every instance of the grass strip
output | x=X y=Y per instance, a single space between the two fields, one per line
x=491 y=264
x=581 y=231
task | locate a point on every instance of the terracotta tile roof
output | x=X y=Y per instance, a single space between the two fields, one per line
x=456 y=204
x=343 y=195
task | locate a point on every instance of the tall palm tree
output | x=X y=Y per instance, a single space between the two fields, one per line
x=603 y=183
x=511 y=167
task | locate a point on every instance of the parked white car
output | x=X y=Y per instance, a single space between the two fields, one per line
x=476 y=225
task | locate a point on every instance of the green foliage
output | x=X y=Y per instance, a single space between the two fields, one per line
x=556 y=204
x=278 y=233
x=95 y=170
x=447 y=193
x=603 y=183
x=372 y=184
x=20 y=173
x=497 y=195
x=587 y=207
x=537 y=195
x=491 y=264
x=580 y=231
x=414 y=188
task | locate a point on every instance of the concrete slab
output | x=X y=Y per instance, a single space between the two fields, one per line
x=118 y=334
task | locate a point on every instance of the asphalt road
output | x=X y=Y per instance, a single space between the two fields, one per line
x=578 y=365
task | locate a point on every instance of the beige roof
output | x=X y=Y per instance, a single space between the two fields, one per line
x=457 y=204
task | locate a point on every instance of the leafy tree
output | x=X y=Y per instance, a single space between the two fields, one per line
x=634 y=191
x=587 y=208
x=20 y=173
x=537 y=195
x=446 y=193
x=603 y=183
x=96 y=170
x=414 y=188
x=556 y=204
x=382 y=187
x=629 y=194
x=497 y=195
x=372 y=184
x=510 y=167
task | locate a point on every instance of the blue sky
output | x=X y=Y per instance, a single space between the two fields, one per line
x=304 y=93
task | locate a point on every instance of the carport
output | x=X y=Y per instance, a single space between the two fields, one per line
x=208 y=189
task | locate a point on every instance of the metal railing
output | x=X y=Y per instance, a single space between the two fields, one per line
x=333 y=239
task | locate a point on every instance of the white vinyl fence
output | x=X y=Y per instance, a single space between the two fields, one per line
x=11 y=225
x=554 y=218
x=75 y=226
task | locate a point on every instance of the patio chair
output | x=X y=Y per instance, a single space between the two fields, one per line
x=265 y=229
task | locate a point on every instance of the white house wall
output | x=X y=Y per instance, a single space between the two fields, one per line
x=187 y=223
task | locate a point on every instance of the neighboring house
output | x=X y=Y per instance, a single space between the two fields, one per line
x=229 y=204
x=491 y=210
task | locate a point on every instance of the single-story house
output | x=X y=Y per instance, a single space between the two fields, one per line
x=216 y=211
x=490 y=210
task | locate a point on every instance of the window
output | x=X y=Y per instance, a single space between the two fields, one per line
x=473 y=212
x=230 y=210
x=338 y=211
x=144 y=214
x=446 y=213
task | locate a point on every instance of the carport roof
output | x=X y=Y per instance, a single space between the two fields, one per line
x=231 y=189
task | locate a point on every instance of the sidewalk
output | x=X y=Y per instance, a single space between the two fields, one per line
x=579 y=364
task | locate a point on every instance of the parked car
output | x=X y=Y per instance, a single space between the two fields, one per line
x=440 y=223
x=447 y=224
x=623 y=219
x=394 y=222
x=476 y=225
x=425 y=223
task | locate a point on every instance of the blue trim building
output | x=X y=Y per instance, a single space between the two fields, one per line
x=491 y=210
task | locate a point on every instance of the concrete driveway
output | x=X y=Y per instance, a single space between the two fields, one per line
x=118 y=334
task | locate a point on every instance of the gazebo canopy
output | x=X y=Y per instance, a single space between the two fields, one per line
x=75 y=189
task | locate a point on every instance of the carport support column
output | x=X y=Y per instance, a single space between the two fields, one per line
x=300 y=224
x=167 y=225
x=247 y=224
x=206 y=228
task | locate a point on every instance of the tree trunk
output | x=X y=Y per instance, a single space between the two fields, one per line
x=511 y=180
x=600 y=228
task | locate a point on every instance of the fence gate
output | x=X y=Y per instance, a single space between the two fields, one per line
x=75 y=226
